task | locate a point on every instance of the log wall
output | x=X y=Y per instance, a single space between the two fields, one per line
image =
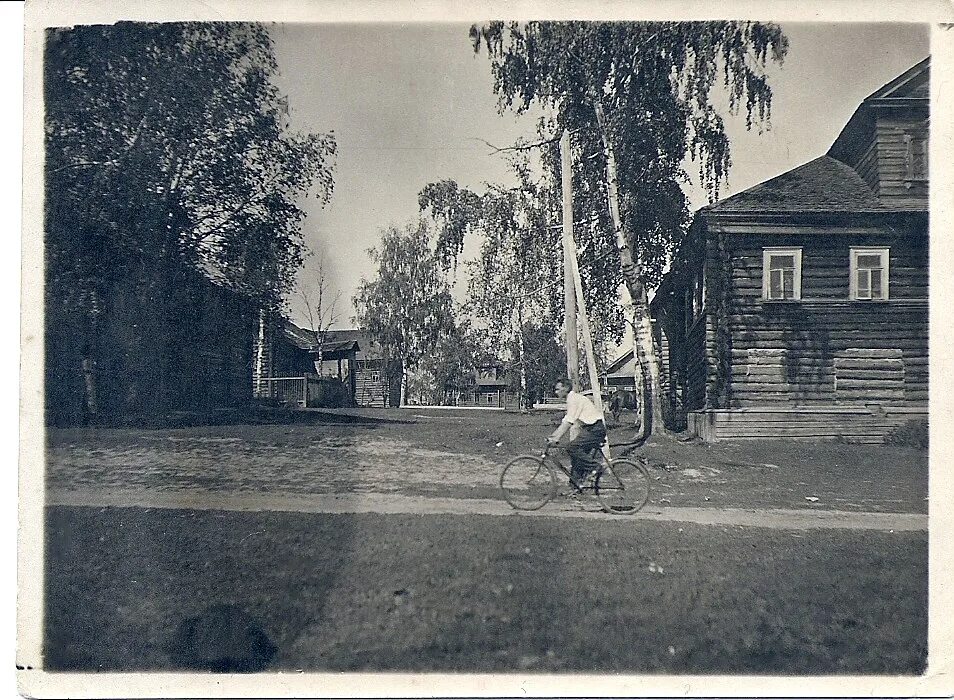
x=895 y=188
x=826 y=349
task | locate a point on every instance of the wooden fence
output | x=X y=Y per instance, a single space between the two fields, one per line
x=291 y=391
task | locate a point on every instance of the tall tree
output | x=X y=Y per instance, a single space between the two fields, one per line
x=514 y=281
x=507 y=281
x=450 y=371
x=172 y=140
x=547 y=359
x=168 y=150
x=407 y=306
x=637 y=99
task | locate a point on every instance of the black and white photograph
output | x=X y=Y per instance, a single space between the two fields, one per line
x=531 y=347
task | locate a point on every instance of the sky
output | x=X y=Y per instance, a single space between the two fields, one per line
x=413 y=104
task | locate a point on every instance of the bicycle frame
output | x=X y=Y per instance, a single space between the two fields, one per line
x=550 y=458
x=611 y=483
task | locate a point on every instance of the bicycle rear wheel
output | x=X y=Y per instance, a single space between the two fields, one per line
x=623 y=486
x=527 y=483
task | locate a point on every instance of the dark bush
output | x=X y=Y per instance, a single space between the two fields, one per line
x=912 y=433
x=331 y=393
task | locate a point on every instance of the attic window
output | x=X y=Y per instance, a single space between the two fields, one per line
x=781 y=274
x=916 y=157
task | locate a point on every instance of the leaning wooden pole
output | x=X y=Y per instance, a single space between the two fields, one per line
x=588 y=342
x=569 y=293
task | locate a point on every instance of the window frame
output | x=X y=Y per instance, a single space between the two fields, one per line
x=768 y=252
x=853 y=254
x=911 y=142
x=694 y=299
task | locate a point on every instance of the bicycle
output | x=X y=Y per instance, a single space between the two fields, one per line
x=621 y=485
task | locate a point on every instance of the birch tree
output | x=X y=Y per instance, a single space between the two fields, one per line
x=407 y=306
x=637 y=98
x=511 y=279
x=320 y=307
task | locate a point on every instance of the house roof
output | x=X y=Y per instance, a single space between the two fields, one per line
x=821 y=185
x=827 y=184
x=350 y=334
x=367 y=349
x=299 y=337
x=913 y=83
x=910 y=89
x=619 y=363
x=335 y=341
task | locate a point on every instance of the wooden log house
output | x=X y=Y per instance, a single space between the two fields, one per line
x=287 y=368
x=144 y=359
x=799 y=307
x=369 y=376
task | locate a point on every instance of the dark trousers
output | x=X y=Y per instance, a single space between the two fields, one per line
x=581 y=450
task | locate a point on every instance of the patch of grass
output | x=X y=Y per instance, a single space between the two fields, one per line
x=486 y=594
x=913 y=433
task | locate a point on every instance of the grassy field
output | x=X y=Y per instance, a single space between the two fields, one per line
x=481 y=593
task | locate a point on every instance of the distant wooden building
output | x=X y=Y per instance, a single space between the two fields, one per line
x=799 y=308
x=620 y=374
x=368 y=374
x=293 y=368
x=490 y=390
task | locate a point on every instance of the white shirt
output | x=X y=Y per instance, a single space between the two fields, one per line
x=579 y=408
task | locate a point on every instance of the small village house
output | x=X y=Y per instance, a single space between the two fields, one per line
x=366 y=369
x=799 y=307
x=293 y=368
x=490 y=389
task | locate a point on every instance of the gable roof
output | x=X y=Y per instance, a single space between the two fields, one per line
x=913 y=83
x=350 y=334
x=298 y=336
x=619 y=363
x=821 y=185
x=908 y=90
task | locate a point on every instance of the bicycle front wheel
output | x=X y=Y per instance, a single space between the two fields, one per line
x=623 y=486
x=527 y=483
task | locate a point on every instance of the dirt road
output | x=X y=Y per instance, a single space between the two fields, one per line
x=199 y=499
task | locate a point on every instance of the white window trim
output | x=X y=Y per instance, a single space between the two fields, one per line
x=767 y=254
x=885 y=254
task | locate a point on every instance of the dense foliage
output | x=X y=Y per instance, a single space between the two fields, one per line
x=449 y=373
x=637 y=100
x=168 y=142
x=406 y=308
x=168 y=161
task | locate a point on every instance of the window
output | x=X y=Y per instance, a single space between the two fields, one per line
x=695 y=299
x=869 y=274
x=781 y=274
x=915 y=157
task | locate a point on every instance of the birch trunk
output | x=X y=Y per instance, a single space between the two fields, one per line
x=522 y=399
x=632 y=275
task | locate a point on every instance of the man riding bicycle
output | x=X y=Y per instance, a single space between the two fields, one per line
x=587 y=432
